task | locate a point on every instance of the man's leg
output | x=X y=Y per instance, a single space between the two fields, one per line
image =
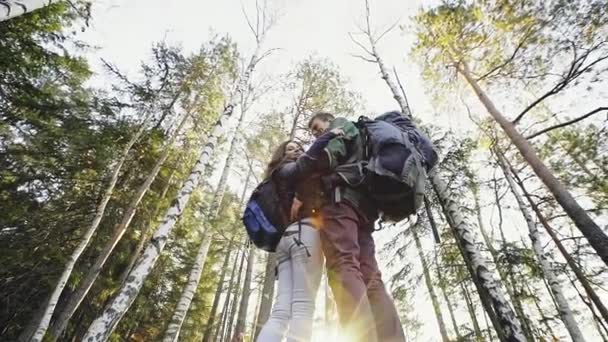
x=387 y=320
x=340 y=245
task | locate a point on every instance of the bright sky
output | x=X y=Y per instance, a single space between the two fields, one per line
x=124 y=31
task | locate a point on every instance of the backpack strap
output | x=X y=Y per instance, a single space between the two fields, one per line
x=414 y=172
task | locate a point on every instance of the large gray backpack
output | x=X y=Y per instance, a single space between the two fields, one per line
x=396 y=160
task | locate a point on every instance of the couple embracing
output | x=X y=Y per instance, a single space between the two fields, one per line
x=321 y=208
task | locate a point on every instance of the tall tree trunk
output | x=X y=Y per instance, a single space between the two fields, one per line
x=506 y=324
x=218 y=293
x=219 y=332
x=541 y=312
x=563 y=308
x=87 y=282
x=507 y=277
x=594 y=234
x=241 y=319
x=235 y=299
x=254 y=322
x=145 y=234
x=189 y=290
x=471 y=309
x=448 y=302
x=195 y=274
x=86 y=238
x=267 y=293
x=580 y=276
x=13 y=8
x=102 y=327
x=219 y=192
x=429 y=284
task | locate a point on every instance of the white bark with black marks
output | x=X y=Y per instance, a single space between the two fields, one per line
x=189 y=291
x=565 y=313
x=12 y=8
x=102 y=327
x=86 y=283
x=591 y=230
x=86 y=238
x=480 y=271
x=241 y=319
x=429 y=284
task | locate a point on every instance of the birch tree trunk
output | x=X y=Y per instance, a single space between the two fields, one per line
x=449 y=304
x=219 y=192
x=145 y=234
x=506 y=324
x=267 y=293
x=195 y=274
x=87 y=282
x=218 y=293
x=241 y=319
x=506 y=277
x=189 y=290
x=580 y=276
x=86 y=238
x=103 y=326
x=223 y=316
x=235 y=299
x=471 y=310
x=13 y=8
x=594 y=234
x=429 y=284
x=563 y=308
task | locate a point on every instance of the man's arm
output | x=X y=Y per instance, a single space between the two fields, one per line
x=337 y=151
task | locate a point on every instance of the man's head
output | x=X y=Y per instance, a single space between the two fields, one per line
x=319 y=123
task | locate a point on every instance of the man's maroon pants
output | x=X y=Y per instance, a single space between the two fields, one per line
x=361 y=297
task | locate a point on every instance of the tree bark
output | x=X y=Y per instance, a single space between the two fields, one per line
x=88 y=234
x=241 y=319
x=506 y=324
x=563 y=308
x=429 y=285
x=507 y=278
x=12 y=8
x=267 y=293
x=449 y=303
x=219 y=332
x=235 y=299
x=102 y=327
x=594 y=234
x=183 y=304
x=87 y=282
x=580 y=276
x=471 y=309
x=218 y=294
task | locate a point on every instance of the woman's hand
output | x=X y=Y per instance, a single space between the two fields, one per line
x=295 y=208
x=337 y=131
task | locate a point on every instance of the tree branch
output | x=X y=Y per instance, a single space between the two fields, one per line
x=567 y=123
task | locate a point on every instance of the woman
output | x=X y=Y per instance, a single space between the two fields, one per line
x=299 y=256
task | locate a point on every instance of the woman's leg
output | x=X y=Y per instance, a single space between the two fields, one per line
x=306 y=274
x=275 y=328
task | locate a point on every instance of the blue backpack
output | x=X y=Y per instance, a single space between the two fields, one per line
x=264 y=217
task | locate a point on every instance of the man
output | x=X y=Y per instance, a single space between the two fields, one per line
x=346 y=239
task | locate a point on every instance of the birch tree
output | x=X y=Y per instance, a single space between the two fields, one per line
x=456 y=35
x=565 y=313
x=13 y=8
x=102 y=327
x=504 y=320
x=85 y=285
